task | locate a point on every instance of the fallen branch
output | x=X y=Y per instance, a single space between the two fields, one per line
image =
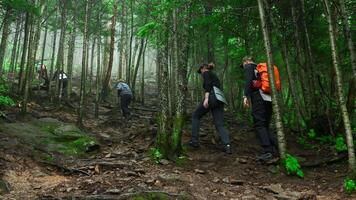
x=66 y=169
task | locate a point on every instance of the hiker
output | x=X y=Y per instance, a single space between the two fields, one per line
x=125 y=94
x=43 y=75
x=261 y=109
x=210 y=104
x=62 y=81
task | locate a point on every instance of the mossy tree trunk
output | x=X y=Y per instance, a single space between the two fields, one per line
x=15 y=48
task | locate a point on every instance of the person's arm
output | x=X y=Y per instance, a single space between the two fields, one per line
x=207 y=88
x=249 y=75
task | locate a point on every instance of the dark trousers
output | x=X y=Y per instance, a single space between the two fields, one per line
x=63 y=83
x=125 y=102
x=218 y=116
x=262 y=113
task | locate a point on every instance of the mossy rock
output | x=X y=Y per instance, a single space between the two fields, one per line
x=56 y=138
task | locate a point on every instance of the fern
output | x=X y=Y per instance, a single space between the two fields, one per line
x=292 y=166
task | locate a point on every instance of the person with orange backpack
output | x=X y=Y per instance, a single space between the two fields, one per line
x=257 y=94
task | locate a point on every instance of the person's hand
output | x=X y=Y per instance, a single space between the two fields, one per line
x=206 y=103
x=246 y=103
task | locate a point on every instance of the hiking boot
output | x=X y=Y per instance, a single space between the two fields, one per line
x=265 y=157
x=192 y=145
x=227 y=149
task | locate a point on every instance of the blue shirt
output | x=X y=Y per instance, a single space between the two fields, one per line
x=124 y=88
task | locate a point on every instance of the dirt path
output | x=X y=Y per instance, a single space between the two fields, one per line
x=123 y=168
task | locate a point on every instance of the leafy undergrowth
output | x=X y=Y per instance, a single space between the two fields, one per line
x=292 y=166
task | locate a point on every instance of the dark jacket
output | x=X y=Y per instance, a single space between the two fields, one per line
x=209 y=80
x=249 y=77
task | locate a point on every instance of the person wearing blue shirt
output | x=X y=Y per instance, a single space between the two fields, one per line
x=125 y=94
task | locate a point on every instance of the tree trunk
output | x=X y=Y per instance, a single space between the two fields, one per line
x=24 y=52
x=70 y=58
x=122 y=41
x=310 y=64
x=142 y=46
x=91 y=66
x=34 y=38
x=60 y=55
x=128 y=67
x=112 y=49
x=44 y=44
x=341 y=99
x=163 y=121
x=30 y=60
x=269 y=53
x=82 y=80
x=181 y=58
x=52 y=63
x=143 y=75
x=97 y=80
x=350 y=46
x=5 y=35
x=15 y=48
x=306 y=93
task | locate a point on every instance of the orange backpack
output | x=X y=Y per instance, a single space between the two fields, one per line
x=262 y=70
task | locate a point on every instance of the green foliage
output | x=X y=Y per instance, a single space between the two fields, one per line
x=156 y=154
x=148 y=28
x=6 y=101
x=292 y=166
x=311 y=134
x=303 y=141
x=340 y=145
x=349 y=185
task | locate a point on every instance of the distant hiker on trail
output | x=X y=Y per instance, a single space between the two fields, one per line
x=43 y=75
x=125 y=94
x=213 y=102
x=261 y=109
x=62 y=81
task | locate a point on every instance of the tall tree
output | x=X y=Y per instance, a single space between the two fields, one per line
x=5 y=35
x=112 y=49
x=269 y=53
x=84 y=55
x=341 y=98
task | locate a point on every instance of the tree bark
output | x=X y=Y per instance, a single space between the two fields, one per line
x=5 y=35
x=142 y=46
x=70 y=58
x=91 y=66
x=269 y=53
x=112 y=49
x=60 y=55
x=24 y=53
x=351 y=48
x=15 y=48
x=52 y=63
x=82 y=80
x=122 y=41
x=341 y=99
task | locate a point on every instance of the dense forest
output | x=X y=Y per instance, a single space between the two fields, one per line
x=61 y=63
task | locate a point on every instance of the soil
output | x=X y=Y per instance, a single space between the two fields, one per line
x=123 y=168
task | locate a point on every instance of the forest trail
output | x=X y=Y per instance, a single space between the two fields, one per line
x=123 y=168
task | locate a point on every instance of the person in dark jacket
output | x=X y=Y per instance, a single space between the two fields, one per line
x=209 y=81
x=125 y=93
x=261 y=110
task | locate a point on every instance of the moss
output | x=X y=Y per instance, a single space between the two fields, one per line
x=77 y=147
